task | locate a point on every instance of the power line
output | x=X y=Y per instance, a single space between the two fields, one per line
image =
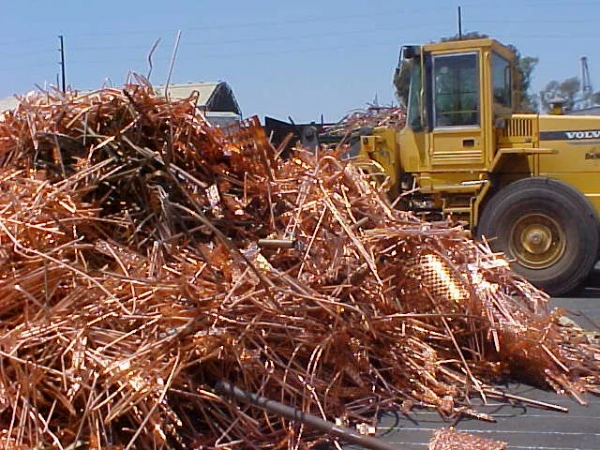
x=297 y=37
x=570 y=36
x=317 y=19
x=22 y=41
x=588 y=20
x=319 y=47
x=262 y=24
x=341 y=18
x=327 y=19
x=288 y=39
x=26 y=68
x=12 y=56
x=545 y=3
x=292 y=38
x=256 y=53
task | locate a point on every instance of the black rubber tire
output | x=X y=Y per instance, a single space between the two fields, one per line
x=569 y=213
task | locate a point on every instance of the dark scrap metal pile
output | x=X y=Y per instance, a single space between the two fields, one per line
x=147 y=256
x=370 y=117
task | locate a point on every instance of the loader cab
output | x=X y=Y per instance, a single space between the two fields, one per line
x=460 y=91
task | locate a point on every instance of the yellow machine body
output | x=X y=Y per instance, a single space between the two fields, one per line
x=464 y=143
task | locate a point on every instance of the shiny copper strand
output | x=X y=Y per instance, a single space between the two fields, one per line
x=132 y=282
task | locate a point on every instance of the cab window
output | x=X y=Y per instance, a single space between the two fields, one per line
x=456 y=90
x=501 y=80
x=414 y=119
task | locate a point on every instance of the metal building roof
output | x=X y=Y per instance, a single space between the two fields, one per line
x=8 y=103
x=214 y=96
x=178 y=91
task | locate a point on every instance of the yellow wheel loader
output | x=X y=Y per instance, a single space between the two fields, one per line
x=528 y=183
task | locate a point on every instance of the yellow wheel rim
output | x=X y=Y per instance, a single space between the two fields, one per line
x=537 y=241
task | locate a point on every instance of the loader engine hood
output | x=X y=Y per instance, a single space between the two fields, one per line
x=570 y=129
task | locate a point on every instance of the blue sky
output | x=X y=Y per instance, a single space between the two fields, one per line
x=302 y=59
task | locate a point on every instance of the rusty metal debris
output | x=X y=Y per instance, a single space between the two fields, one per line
x=135 y=276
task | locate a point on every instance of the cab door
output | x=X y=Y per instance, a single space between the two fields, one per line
x=457 y=137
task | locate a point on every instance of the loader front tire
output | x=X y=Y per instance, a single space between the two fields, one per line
x=548 y=228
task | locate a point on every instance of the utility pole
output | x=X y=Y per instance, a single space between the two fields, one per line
x=62 y=63
x=586 y=82
x=459 y=23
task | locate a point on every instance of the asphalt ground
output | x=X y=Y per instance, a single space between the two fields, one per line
x=523 y=427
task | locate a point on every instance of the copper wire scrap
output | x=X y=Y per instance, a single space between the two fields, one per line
x=147 y=256
x=450 y=439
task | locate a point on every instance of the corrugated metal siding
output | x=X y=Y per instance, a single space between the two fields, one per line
x=220 y=119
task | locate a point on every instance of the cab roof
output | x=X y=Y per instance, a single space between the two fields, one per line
x=470 y=44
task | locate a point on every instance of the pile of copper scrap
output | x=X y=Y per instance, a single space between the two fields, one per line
x=450 y=439
x=372 y=116
x=147 y=256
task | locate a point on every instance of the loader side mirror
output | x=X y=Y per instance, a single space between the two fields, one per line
x=411 y=51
